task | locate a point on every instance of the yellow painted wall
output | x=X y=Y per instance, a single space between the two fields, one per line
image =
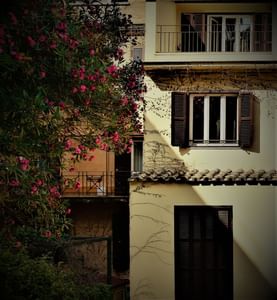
x=152 y=237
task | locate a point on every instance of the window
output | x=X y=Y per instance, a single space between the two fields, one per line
x=224 y=33
x=137 y=54
x=203 y=252
x=137 y=154
x=212 y=120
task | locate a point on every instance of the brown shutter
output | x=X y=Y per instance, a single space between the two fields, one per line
x=246 y=121
x=180 y=119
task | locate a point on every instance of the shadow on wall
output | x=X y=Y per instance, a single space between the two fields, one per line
x=152 y=251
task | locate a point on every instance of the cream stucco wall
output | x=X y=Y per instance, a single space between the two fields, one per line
x=166 y=12
x=158 y=151
x=152 y=237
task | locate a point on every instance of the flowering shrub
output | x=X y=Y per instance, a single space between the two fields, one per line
x=63 y=79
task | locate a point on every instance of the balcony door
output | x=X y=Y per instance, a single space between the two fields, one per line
x=230 y=33
x=122 y=174
x=203 y=253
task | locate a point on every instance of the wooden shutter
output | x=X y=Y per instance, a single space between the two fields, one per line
x=180 y=119
x=246 y=121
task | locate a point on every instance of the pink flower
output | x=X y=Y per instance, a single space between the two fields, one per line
x=129 y=149
x=68 y=145
x=103 y=79
x=42 y=74
x=74 y=90
x=119 y=53
x=68 y=211
x=53 y=45
x=61 y=26
x=71 y=169
x=39 y=182
x=42 y=38
x=77 y=185
x=98 y=141
x=87 y=102
x=111 y=69
x=31 y=42
x=49 y=103
x=62 y=105
x=24 y=163
x=91 y=158
x=54 y=192
x=47 y=234
x=78 y=150
x=124 y=101
x=91 y=52
x=73 y=43
x=34 y=189
x=14 y=183
x=115 y=137
x=92 y=88
x=92 y=77
x=83 y=88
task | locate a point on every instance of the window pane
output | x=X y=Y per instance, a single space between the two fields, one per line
x=230 y=34
x=214 y=125
x=138 y=156
x=245 y=33
x=231 y=119
x=216 y=33
x=198 y=119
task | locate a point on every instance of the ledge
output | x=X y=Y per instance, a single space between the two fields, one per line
x=208 y=177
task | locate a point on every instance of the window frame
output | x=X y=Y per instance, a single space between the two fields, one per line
x=136 y=140
x=222 y=142
x=223 y=32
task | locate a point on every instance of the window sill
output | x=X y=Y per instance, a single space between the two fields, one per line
x=215 y=145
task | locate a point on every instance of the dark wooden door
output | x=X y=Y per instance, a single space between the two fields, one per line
x=203 y=253
x=122 y=173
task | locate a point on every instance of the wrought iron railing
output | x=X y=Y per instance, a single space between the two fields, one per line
x=179 y=39
x=86 y=183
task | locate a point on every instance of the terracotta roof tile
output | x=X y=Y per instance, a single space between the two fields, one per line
x=210 y=177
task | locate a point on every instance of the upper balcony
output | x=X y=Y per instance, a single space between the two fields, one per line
x=209 y=32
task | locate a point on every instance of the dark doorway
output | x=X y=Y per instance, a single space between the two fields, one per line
x=122 y=173
x=203 y=253
x=121 y=245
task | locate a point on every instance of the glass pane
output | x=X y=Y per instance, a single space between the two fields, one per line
x=198 y=119
x=138 y=156
x=214 y=125
x=231 y=119
x=230 y=34
x=216 y=34
x=245 y=33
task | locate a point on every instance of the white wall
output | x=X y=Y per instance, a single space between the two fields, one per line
x=152 y=237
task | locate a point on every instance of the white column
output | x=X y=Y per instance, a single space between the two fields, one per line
x=223 y=118
x=150 y=30
x=206 y=119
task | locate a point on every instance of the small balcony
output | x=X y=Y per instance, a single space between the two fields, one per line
x=96 y=184
x=170 y=39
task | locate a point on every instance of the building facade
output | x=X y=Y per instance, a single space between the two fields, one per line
x=203 y=210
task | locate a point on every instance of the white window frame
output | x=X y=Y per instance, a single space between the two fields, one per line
x=223 y=35
x=136 y=141
x=206 y=142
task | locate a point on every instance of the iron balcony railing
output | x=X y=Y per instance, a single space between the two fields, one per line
x=94 y=184
x=184 y=39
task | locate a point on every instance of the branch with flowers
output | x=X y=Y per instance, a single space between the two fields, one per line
x=63 y=79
